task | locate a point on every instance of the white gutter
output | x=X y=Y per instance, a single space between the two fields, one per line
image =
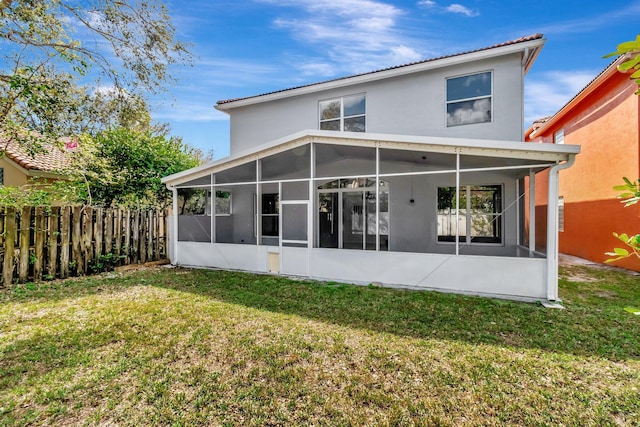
x=552 y=228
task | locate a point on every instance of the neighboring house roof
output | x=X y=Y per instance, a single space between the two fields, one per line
x=533 y=44
x=52 y=159
x=539 y=126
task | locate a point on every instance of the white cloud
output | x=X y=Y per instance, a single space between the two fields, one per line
x=546 y=93
x=478 y=111
x=452 y=8
x=458 y=8
x=351 y=36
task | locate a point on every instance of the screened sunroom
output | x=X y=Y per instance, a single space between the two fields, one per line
x=416 y=212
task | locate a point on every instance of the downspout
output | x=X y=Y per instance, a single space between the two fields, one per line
x=173 y=233
x=552 y=227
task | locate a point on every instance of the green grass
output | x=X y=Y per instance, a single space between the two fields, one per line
x=195 y=347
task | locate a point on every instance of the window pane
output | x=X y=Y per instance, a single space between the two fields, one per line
x=354 y=105
x=486 y=207
x=469 y=86
x=330 y=109
x=193 y=201
x=447 y=214
x=330 y=125
x=467 y=112
x=223 y=203
x=354 y=124
x=270 y=225
x=270 y=205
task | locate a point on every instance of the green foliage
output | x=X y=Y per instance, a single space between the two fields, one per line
x=632 y=64
x=630 y=192
x=124 y=167
x=52 y=48
x=19 y=197
x=630 y=196
x=106 y=262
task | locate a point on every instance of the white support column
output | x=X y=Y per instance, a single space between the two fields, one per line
x=377 y=201
x=552 y=228
x=174 y=234
x=258 y=228
x=457 y=202
x=213 y=208
x=532 y=212
x=314 y=234
x=552 y=235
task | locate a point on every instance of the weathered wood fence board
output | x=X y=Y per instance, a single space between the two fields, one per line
x=56 y=242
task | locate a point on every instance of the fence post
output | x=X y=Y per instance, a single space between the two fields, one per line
x=54 y=217
x=117 y=226
x=136 y=236
x=76 y=240
x=150 y=234
x=38 y=242
x=9 y=246
x=108 y=232
x=127 y=236
x=87 y=237
x=25 y=237
x=65 y=239
x=98 y=233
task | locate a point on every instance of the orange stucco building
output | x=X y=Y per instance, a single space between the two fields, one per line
x=604 y=119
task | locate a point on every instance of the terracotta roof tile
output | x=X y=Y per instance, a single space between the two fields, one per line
x=53 y=159
x=507 y=43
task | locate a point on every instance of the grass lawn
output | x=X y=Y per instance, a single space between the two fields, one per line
x=196 y=347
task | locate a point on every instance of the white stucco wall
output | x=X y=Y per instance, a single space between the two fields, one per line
x=513 y=278
x=410 y=105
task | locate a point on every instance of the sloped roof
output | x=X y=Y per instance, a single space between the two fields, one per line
x=531 y=37
x=53 y=159
x=541 y=124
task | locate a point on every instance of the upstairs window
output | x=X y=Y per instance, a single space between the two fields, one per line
x=469 y=99
x=558 y=137
x=343 y=114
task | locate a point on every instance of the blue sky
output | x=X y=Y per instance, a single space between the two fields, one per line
x=249 y=47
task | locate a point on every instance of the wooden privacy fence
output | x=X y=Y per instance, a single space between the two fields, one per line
x=45 y=243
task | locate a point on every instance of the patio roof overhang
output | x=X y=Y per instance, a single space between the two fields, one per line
x=528 y=152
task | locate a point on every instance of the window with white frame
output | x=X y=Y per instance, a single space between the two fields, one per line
x=469 y=99
x=558 y=137
x=347 y=113
x=479 y=218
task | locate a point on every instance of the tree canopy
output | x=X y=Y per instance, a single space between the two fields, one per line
x=124 y=167
x=72 y=66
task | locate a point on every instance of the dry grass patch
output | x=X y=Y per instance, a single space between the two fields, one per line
x=182 y=347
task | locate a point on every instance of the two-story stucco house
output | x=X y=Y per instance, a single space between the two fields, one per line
x=410 y=176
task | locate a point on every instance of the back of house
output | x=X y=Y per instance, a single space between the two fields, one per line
x=409 y=176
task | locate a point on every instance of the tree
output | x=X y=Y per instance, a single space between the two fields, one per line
x=124 y=167
x=631 y=48
x=57 y=53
